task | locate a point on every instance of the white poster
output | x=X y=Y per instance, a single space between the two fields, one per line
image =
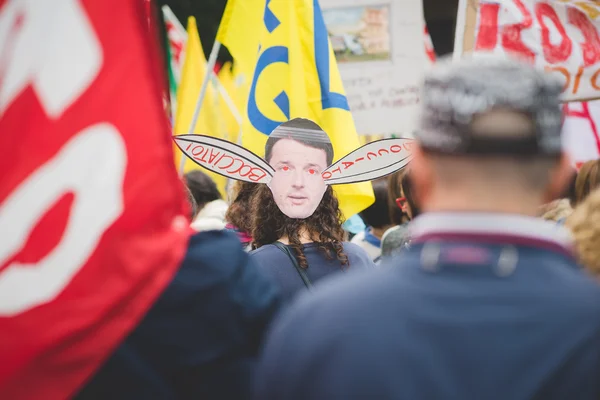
x=561 y=36
x=380 y=49
x=581 y=131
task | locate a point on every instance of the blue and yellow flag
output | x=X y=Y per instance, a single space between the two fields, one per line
x=283 y=48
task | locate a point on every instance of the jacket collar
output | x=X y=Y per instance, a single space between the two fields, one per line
x=492 y=228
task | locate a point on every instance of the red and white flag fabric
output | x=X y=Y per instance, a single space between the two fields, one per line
x=92 y=214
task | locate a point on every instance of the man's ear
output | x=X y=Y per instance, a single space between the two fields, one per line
x=559 y=179
x=421 y=173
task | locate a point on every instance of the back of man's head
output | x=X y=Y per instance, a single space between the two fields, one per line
x=489 y=137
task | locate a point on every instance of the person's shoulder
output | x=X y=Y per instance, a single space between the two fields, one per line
x=357 y=252
x=354 y=248
x=265 y=252
x=218 y=247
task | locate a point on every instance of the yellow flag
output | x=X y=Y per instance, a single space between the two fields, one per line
x=193 y=71
x=228 y=124
x=283 y=47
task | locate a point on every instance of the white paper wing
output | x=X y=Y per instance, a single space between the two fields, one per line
x=371 y=161
x=225 y=158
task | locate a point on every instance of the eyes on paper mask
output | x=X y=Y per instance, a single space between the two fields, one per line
x=297 y=165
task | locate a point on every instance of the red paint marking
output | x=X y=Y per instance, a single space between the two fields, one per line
x=586 y=115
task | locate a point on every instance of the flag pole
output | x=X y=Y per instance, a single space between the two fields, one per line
x=210 y=65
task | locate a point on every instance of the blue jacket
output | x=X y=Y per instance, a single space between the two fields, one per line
x=480 y=307
x=201 y=337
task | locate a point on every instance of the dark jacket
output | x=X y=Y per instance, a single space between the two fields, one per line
x=480 y=307
x=200 y=338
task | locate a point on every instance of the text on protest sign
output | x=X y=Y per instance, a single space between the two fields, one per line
x=561 y=36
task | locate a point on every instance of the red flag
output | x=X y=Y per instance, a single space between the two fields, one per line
x=92 y=213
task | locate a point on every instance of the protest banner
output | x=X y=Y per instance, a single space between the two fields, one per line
x=381 y=55
x=560 y=36
x=581 y=131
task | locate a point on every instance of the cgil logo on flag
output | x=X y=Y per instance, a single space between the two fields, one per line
x=293 y=74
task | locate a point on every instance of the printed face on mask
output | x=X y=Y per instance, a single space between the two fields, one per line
x=297 y=184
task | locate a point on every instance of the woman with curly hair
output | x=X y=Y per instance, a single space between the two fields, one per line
x=237 y=215
x=584 y=224
x=295 y=245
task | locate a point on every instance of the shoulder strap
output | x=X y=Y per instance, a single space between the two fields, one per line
x=299 y=269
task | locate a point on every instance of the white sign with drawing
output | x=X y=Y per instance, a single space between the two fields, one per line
x=380 y=49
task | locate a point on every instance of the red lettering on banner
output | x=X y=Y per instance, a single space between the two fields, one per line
x=347 y=164
x=585 y=114
x=239 y=171
x=591 y=45
x=326 y=175
x=369 y=153
x=196 y=150
x=553 y=54
x=577 y=80
x=386 y=151
x=563 y=71
x=337 y=169
x=203 y=159
x=398 y=147
x=255 y=177
x=219 y=161
x=359 y=159
x=234 y=171
x=212 y=156
x=487 y=37
x=511 y=34
x=593 y=80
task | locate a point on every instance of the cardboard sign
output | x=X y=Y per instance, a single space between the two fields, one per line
x=581 y=131
x=380 y=50
x=297 y=168
x=561 y=36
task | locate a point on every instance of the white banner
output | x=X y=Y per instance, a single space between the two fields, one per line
x=561 y=36
x=581 y=131
x=380 y=50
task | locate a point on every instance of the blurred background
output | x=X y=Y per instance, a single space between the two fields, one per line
x=440 y=16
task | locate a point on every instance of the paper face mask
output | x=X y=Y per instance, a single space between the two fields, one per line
x=297 y=165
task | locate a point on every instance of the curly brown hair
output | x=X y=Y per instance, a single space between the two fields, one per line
x=238 y=211
x=324 y=226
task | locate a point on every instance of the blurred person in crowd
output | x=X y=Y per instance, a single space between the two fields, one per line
x=584 y=223
x=559 y=209
x=488 y=301
x=397 y=215
x=191 y=201
x=377 y=219
x=588 y=179
x=354 y=225
x=211 y=207
x=397 y=238
x=238 y=215
x=295 y=245
x=201 y=337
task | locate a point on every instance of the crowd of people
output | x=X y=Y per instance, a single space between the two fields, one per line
x=476 y=275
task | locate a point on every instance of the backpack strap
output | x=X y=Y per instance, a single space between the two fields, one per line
x=299 y=269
